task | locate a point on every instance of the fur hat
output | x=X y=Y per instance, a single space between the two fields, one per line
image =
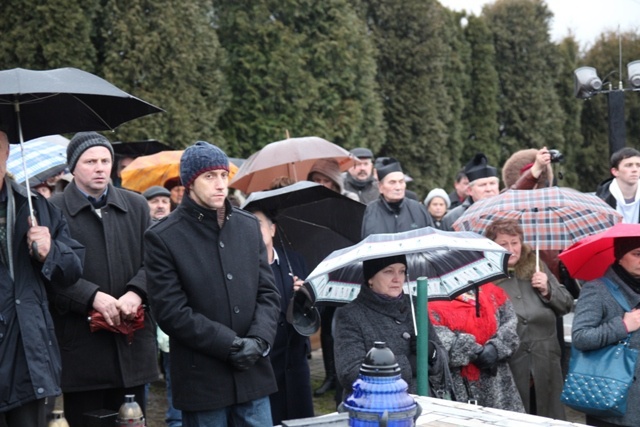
x=516 y=165
x=624 y=245
x=156 y=191
x=386 y=165
x=200 y=158
x=81 y=142
x=371 y=266
x=478 y=167
x=437 y=192
x=329 y=168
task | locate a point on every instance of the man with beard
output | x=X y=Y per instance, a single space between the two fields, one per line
x=360 y=179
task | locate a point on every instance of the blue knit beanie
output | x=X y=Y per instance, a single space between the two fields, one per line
x=81 y=142
x=200 y=158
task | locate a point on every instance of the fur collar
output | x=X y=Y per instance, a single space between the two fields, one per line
x=526 y=266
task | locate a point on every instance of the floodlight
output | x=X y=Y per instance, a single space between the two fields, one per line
x=587 y=82
x=633 y=71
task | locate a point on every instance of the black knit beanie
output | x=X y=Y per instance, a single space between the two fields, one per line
x=623 y=245
x=371 y=266
x=81 y=142
x=200 y=158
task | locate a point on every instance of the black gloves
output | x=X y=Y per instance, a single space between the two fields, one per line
x=246 y=351
x=431 y=351
x=488 y=359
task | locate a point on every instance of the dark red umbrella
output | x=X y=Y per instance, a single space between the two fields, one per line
x=126 y=327
x=590 y=257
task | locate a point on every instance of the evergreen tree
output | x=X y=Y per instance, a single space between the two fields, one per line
x=45 y=35
x=413 y=54
x=167 y=53
x=303 y=66
x=572 y=169
x=480 y=116
x=595 y=152
x=530 y=113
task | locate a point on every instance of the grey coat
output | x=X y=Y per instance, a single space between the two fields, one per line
x=538 y=355
x=113 y=264
x=598 y=322
x=455 y=213
x=495 y=391
x=379 y=217
x=368 y=319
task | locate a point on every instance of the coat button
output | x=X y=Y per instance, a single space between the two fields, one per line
x=18 y=301
x=524 y=322
x=221 y=244
x=229 y=276
x=40 y=390
x=236 y=309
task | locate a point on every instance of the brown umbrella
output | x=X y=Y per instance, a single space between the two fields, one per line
x=291 y=157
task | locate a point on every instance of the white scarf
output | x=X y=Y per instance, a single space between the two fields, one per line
x=630 y=211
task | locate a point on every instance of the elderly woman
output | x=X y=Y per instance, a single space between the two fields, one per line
x=538 y=299
x=382 y=312
x=600 y=321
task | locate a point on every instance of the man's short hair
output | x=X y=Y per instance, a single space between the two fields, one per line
x=460 y=175
x=621 y=154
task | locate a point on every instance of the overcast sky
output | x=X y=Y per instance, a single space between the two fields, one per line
x=586 y=19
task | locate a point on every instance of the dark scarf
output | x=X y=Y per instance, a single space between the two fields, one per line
x=628 y=279
x=360 y=185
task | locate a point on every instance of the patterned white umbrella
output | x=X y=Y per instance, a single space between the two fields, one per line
x=44 y=157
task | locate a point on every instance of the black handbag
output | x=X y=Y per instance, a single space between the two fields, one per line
x=598 y=380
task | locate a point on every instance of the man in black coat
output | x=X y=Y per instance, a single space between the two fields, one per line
x=99 y=368
x=29 y=357
x=213 y=293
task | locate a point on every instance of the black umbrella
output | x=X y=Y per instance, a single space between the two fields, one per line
x=311 y=219
x=139 y=148
x=38 y=103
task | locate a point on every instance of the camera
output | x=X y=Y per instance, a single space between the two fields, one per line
x=556 y=156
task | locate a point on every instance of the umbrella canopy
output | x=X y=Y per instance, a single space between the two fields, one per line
x=453 y=263
x=146 y=171
x=589 y=258
x=291 y=157
x=63 y=100
x=43 y=159
x=311 y=219
x=552 y=218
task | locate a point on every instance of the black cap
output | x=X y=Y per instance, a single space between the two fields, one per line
x=156 y=191
x=362 y=153
x=386 y=165
x=478 y=167
x=371 y=266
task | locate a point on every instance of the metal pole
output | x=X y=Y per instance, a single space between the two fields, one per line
x=422 y=359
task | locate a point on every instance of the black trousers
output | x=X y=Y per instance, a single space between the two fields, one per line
x=32 y=414
x=78 y=403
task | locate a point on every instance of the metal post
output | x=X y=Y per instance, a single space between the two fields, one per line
x=617 y=129
x=422 y=359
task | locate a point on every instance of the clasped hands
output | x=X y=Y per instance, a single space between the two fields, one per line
x=245 y=352
x=118 y=310
x=487 y=359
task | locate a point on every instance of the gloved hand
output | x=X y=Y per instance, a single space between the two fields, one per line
x=431 y=350
x=246 y=351
x=488 y=359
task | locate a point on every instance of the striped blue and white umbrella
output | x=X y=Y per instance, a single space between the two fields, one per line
x=44 y=158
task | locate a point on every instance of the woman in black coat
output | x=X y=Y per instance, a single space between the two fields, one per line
x=382 y=312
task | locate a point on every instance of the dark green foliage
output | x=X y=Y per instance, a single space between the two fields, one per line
x=526 y=61
x=572 y=107
x=303 y=66
x=167 y=53
x=43 y=35
x=413 y=53
x=480 y=116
